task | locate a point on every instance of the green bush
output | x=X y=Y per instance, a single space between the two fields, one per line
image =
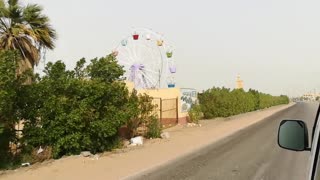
x=77 y=110
x=195 y=113
x=223 y=102
x=140 y=109
x=68 y=111
x=10 y=85
x=154 y=127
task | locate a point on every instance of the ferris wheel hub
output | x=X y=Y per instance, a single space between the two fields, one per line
x=136 y=67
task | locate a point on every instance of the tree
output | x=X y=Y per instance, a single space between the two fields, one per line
x=10 y=84
x=26 y=29
x=221 y=102
x=76 y=110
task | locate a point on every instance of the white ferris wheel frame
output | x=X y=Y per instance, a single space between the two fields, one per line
x=148 y=80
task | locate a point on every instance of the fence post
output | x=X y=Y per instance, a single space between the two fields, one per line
x=177 y=109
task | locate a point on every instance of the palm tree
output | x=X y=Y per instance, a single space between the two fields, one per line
x=25 y=29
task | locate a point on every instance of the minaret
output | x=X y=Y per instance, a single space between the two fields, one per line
x=239 y=83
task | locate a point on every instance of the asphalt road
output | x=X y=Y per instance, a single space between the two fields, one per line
x=250 y=154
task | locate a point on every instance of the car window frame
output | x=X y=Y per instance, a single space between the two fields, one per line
x=315 y=123
x=315 y=148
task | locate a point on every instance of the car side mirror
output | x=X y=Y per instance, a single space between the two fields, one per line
x=293 y=135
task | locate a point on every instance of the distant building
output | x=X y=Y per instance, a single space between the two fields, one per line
x=311 y=96
x=239 y=83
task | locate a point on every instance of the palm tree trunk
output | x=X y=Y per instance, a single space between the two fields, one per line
x=24 y=65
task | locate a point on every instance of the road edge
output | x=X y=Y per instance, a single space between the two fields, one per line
x=148 y=170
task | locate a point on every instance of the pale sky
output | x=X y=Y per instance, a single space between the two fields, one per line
x=273 y=44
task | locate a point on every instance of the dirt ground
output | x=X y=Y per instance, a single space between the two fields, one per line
x=125 y=163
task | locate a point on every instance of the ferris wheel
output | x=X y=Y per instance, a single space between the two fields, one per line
x=147 y=59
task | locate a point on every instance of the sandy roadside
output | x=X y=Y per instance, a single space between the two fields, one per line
x=153 y=153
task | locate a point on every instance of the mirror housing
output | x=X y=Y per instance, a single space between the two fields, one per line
x=293 y=135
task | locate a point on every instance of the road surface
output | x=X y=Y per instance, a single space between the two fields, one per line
x=250 y=154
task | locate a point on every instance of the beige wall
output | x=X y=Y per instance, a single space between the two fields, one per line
x=129 y=85
x=165 y=93
x=168 y=96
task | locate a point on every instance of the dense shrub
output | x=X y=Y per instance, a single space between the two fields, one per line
x=73 y=111
x=154 y=128
x=140 y=109
x=67 y=111
x=223 y=102
x=10 y=85
x=195 y=113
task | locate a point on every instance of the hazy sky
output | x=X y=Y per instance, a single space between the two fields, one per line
x=273 y=44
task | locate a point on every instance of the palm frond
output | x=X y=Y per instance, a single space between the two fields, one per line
x=13 y=2
x=26 y=29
